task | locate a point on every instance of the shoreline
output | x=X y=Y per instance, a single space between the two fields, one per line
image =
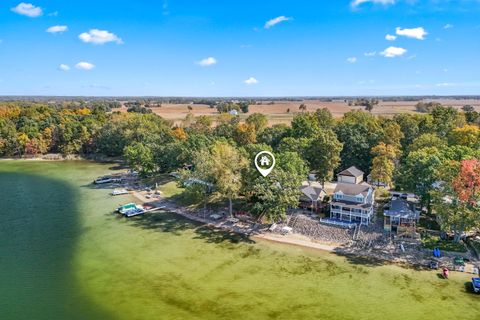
x=293 y=239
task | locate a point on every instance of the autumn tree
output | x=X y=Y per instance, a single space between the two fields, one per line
x=383 y=163
x=457 y=201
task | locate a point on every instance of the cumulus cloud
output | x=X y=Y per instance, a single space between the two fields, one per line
x=448 y=26
x=352 y=59
x=370 y=54
x=57 y=29
x=28 y=9
x=83 y=65
x=356 y=3
x=63 y=67
x=96 y=36
x=392 y=52
x=415 y=33
x=390 y=37
x=210 y=61
x=272 y=22
x=250 y=81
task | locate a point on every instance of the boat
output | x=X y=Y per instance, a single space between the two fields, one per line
x=118 y=192
x=129 y=206
x=476 y=285
x=135 y=212
x=104 y=180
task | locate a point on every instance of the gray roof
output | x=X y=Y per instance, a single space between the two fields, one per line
x=400 y=208
x=352 y=172
x=351 y=189
x=313 y=192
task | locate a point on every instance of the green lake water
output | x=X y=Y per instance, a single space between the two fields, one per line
x=64 y=255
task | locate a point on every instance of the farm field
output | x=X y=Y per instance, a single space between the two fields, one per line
x=284 y=111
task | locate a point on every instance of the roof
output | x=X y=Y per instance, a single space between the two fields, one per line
x=313 y=191
x=351 y=189
x=400 y=208
x=352 y=172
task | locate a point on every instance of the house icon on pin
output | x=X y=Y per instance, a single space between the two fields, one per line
x=264 y=161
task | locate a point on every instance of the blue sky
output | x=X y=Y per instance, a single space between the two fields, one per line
x=240 y=48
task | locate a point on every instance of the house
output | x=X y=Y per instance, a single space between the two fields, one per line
x=351 y=175
x=264 y=161
x=233 y=112
x=353 y=198
x=312 y=194
x=401 y=214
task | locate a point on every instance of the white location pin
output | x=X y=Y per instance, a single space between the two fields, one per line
x=265 y=162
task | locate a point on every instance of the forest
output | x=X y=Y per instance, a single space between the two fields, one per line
x=434 y=154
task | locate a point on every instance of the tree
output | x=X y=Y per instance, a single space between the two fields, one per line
x=383 y=163
x=359 y=132
x=274 y=135
x=324 y=118
x=298 y=145
x=426 y=107
x=468 y=135
x=274 y=194
x=305 y=125
x=420 y=171
x=445 y=119
x=302 y=107
x=245 y=134
x=456 y=202
x=323 y=154
x=427 y=140
x=244 y=106
x=223 y=166
x=140 y=158
x=258 y=120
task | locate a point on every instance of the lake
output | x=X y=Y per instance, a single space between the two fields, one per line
x=65 y=255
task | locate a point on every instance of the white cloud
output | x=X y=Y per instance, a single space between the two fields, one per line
x=352 y=59
x=392 y=52
x=96 y=36
x=84 y=65
x=250 y=81
x=210 y=61
x=356 y=3
x=56 y=29
x=370 y=54
x=275 y=21
x=28 y=9
x=446 y=84
x=53 y=14
x=390 y=37
x=448 y=26
x=63 y=67
x=415 y=33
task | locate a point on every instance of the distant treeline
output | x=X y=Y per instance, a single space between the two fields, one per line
x=409 y=151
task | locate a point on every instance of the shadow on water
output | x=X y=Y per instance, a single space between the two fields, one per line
x=174 y=224
x=37 y=243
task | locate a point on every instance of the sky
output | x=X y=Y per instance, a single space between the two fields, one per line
x=240 y=48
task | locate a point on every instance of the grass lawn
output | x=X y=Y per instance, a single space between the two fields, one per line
x=431 y=242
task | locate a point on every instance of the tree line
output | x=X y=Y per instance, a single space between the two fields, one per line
x=427 y=153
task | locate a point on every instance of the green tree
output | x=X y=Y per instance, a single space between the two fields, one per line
x=140 y=158
x=274 y=194
x=257 y=120
x=323 y=154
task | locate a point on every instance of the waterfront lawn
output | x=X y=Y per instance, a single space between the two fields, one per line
x=431 y=242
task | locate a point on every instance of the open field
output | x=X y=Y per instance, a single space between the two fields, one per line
x=283 y=111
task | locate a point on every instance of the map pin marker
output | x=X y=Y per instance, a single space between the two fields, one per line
x=265 y=162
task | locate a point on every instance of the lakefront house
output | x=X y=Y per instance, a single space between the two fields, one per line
x=353 y=198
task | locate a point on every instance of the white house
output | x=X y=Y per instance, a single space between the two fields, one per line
x=353 y=198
